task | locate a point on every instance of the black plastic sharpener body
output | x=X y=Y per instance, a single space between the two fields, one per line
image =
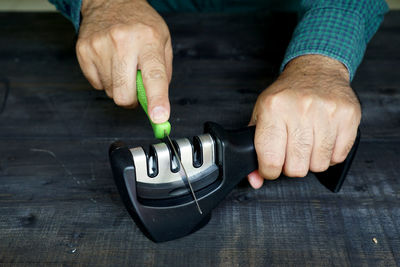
x=168 y=219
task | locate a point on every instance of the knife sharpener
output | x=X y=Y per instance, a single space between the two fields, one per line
x=158 y=199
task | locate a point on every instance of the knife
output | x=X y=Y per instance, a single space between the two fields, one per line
x=162 y=131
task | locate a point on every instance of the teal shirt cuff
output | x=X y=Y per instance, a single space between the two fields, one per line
x=340 y=30
x=71 y=9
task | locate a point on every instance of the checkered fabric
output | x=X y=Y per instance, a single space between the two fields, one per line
x=71 y=9
x=339 y=29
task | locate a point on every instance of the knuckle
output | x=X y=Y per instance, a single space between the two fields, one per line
x=319 y=166
x=96 y=85
x=270 y=164
x=302 y=143
x=351 y=111
x=119 y=77
x=348 y=110
x=330 y=106
x=96 y=43
x=106 y=81
x=109 y=93
x=338 y=158
x=301 y=135
x=155 y=74
x=147 y=32
x=119 y=34
x=348 y=147
x=152 y=99
x=268 y=102
x=81 y=47
x=134 y=104
x=123 y=101
x=271 y=160
x=266 y=133
x=268 y=173
x=296 y=171
x=324 y=150
x=273 y=101
x=119 y=82
x=306 y=101
x=151 y=54
x=324 y=153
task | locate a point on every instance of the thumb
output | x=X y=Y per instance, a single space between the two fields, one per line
x=155 y=80
x=255 y=179
x=156 y=86
x=158 y=108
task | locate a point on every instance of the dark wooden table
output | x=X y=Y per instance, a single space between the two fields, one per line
x=58 y=201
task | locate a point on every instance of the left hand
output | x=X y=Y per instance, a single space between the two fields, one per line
x=306 y=120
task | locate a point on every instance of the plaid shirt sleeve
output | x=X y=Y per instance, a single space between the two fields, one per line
x=71 y=9
x=339 y=29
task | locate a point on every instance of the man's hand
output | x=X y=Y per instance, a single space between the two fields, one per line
x=306 y=120
x=118 y=37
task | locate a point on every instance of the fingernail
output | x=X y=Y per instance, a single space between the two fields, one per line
x=255 y=180
x=252 y=180
x=159 y=114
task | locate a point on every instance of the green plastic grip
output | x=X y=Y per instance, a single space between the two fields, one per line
x=160 y=129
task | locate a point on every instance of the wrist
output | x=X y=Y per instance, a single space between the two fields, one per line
x=317 y=66
x=87 y=5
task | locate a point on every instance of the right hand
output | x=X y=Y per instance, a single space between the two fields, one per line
x=118 y=37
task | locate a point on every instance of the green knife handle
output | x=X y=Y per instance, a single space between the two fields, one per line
x=160 y=129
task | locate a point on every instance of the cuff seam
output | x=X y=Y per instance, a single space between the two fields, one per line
x=318 y=52
x=305 y=46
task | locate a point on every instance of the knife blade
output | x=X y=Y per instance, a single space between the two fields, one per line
x=162 y=130
x=183 y=172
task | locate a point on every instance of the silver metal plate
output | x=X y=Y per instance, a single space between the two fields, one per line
x=165 y=175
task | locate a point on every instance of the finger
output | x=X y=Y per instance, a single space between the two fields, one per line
x=344 y=142
x=100 y=54
x=255 y=180
x=91 y=74
x=104 y=72
x=298 y=151
x=88 y=68
x=270 y=142
x=155 y=80
x=324 y=142
x=123 y=81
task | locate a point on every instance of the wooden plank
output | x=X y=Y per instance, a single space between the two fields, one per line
x=59 y=210
x=378 y=85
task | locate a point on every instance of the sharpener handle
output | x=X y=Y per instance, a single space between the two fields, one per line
x=160 y=129
x=237 y=155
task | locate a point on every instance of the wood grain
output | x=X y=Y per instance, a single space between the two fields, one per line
x=58 y=202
